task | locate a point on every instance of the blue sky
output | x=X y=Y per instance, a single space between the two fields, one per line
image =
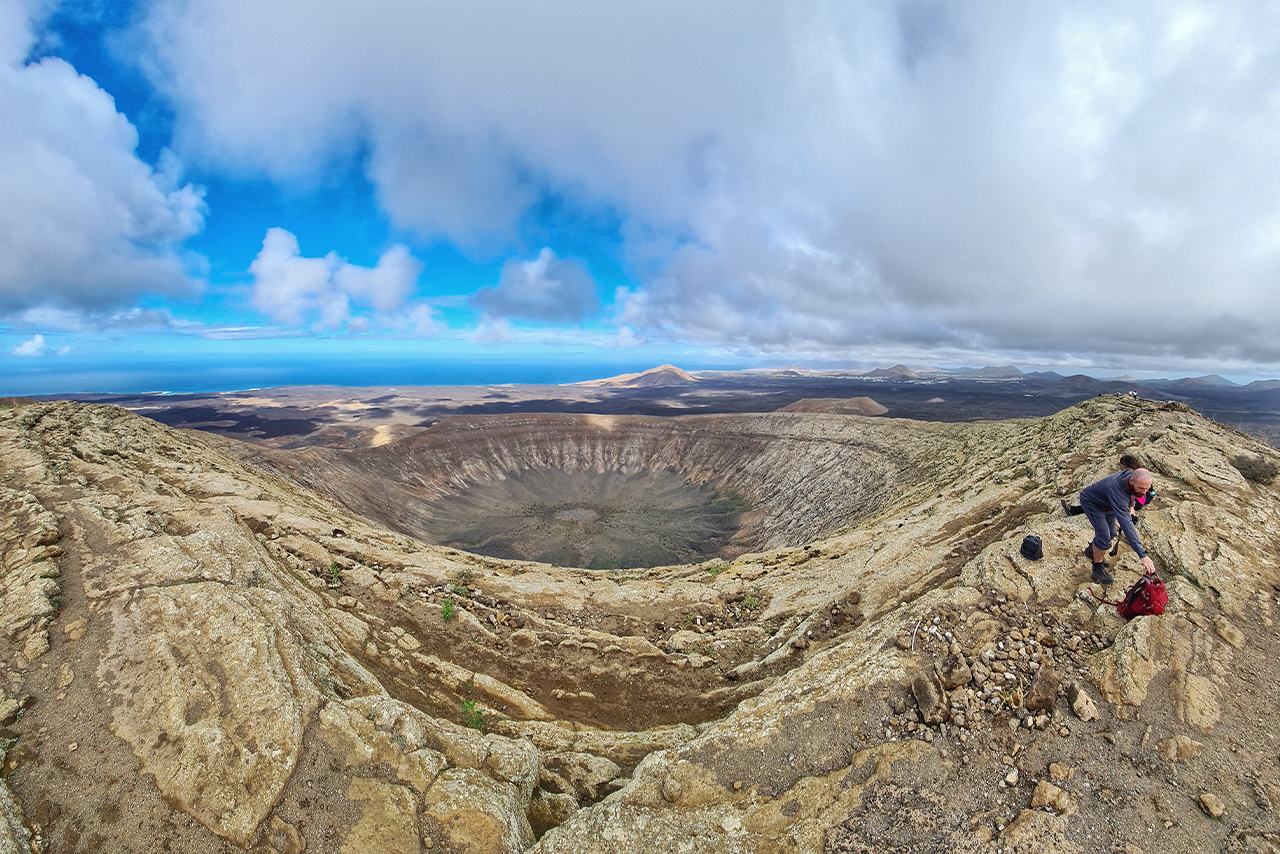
x=236 y=194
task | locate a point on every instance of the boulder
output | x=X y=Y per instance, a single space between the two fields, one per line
x=1044 y=691
x=1180 y=748
x=1081 y=703
x=953 y=672
x=929 y=696
x=1046 y=794
x=583 y=776
x=477 y=814
x=548 y=810
x=1212 y=805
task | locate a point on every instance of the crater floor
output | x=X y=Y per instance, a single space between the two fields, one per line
x=595 y=520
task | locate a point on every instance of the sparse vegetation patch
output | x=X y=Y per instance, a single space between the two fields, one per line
x=1255 y=469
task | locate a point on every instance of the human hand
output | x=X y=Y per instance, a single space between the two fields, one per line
x=1148 y=564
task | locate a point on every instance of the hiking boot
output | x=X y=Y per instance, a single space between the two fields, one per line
x=1100 y=573
x=1066 y=508
x=1088 y=553
x=1115 y=550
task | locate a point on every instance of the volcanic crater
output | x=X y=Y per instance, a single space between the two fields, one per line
x=615 y=491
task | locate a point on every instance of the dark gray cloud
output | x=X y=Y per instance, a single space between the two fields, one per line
x=1078 y=182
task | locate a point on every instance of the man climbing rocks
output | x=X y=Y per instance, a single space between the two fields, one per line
x=1110 y=501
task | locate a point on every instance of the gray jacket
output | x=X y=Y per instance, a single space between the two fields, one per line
x=1111 y=495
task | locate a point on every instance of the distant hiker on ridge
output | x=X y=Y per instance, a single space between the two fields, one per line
x=1111 y=499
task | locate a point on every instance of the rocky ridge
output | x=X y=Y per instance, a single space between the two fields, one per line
x=247 y=665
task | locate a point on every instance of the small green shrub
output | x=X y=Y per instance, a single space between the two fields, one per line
x=335 y=574
x=458 y=588
x=1255 y=469
x=471 y=716
x=447 y=609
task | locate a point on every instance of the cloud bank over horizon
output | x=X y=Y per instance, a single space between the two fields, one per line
x=1053 y=183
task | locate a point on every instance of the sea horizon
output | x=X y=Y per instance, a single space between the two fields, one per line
x=147 y=377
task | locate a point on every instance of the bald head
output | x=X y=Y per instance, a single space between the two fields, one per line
x=1141 y=479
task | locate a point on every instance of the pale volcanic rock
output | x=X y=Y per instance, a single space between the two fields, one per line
x=400 y=745
x=1212 y=805
x=388 y=819
x=27 y=533
x=1048 y=795
x=204 y=681
x=15 y=838
x=1036 y=831
x=548 y=810
x=625 y=749
x=377 y=729
x=479 y=814
x=1081 y=703
x=203 y=555
x=582 y=775
x=1179 y=748
x=1228 y=631
x=1146 y=647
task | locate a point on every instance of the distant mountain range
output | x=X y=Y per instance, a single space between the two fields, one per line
x=1010 y=373
x=670 y=375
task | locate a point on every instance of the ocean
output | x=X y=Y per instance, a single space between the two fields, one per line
x=65 y=375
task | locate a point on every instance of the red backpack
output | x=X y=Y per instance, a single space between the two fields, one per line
x=1147 y=596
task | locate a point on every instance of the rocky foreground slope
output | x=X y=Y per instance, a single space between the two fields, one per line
x=199 y=656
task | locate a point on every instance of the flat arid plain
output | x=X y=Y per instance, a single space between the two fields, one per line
x=648 y=613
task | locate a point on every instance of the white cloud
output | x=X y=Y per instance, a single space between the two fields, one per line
x=35 y=347
x=549 y=289
x=385 y=286
x=418 y=319
x=84 y=224
x=627 y=337
x=493 y=331
x=294 y=290
x=1059 y=180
